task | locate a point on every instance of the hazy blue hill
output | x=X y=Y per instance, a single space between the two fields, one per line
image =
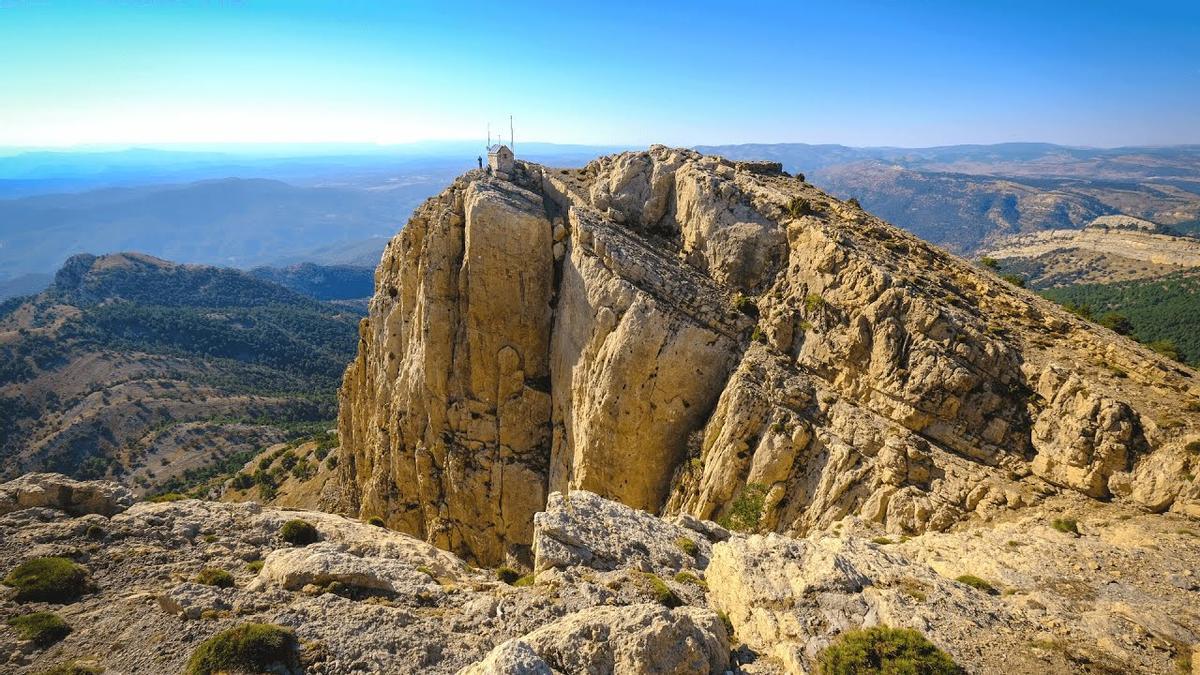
x=235 y=222
x=323 y=282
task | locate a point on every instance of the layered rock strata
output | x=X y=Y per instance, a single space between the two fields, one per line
x=690 y=335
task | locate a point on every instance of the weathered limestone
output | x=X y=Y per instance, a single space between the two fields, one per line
x=582 y=529
x=56 y=491
x=646 y=638
x=690 y=335
x=446 y=410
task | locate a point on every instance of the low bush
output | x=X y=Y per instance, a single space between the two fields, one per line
x=882 y=541
x=527 y=580
x=213 y=576
x=689 y=578
x=745 y=512
x=95 y=532
x=255 y=566
x=977 y=583
x=52 y=579
x=687 y=546
x=662 y=592
x=881 y=649
x=1067 y=525
x=250 y=647
x=508 y=575
x=299 y=532
x=376 y=521
x=42 y=628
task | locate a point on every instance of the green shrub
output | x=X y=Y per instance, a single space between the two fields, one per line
x=1067 y=525
x=853 y=201
x=745 y=512
x=508 y=575
x=687 y=545
x=799 y=207
x=42 y=628
x=813 y=302
x=95 y=532
x=376 y=521
x=745 y=305
x=724 y=617
x=1193 y=447
x=298 y=532
x=689 y=578
x=990 y=263
x=882 y=541
x=243 y=481
x=881 y=649
x=662 y=592
x=977 y=583
x=255 y=566
x=250 y=647
x=213 y=576
x=1116 y=322
x=526 y=580
x=49 y=580
x=1014 y=279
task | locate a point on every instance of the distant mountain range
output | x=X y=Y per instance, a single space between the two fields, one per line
x=134 y=367
x=230 y=222
x=964 y=197
x=340 y=205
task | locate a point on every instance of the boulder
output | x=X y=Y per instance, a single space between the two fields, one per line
x=582 y=528
x=635 y=639
x=514 y=657
x=56 y=491
x=324 y=563
x=190 y=600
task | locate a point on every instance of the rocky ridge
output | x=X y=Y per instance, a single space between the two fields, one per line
x=685 y=334
x=1114 y=594
x=1110 y=249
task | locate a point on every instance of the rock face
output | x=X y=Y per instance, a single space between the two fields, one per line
x=690 y=335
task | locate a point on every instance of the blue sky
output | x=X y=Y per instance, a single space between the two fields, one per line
x=859 y=73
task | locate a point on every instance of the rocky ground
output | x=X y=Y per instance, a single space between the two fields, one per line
x=612 y=589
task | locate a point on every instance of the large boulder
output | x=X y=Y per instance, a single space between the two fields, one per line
x=325 y=563
x=584 y=529
x=634 y=639
x=56 y=491
x=789 y=598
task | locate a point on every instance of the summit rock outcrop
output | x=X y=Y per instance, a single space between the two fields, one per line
x=694 y=336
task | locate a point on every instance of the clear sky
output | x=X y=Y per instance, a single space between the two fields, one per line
x=855 y=72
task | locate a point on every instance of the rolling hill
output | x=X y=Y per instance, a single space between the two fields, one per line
x=154 y=373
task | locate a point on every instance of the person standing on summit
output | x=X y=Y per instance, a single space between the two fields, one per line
x=480 y=160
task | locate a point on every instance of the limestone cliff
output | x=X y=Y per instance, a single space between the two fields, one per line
x=682 y=333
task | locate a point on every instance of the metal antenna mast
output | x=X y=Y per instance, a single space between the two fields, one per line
x=512 y=142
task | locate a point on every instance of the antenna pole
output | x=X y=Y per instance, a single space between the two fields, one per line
x=512 y=142
x=489 y=127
